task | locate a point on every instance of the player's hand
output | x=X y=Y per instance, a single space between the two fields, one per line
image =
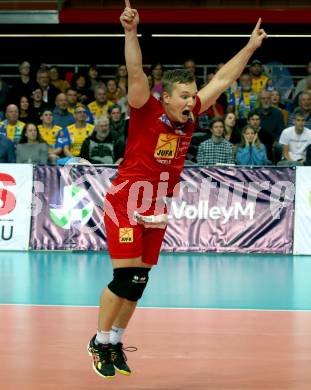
x=258 y=35
x=129 y=17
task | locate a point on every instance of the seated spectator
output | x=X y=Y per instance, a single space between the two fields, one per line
x=23 y=85
x=295 y=141
x=31 y=149
x=116 y=122
x=260 y=82
x=157 y=75
x=101 y=147
x=61 y=115
x=276 y=102
x=305 y=107
x=72 y=100
x=231 y=133
x=99 y=107
x=71 y=138
x=48 y=132
x=12 y=127
x=114 y=94
x=272 y=123
x=25 y=110
x=243 y=100
x=122 y=78
x=93 y=76
x=216 y=150
x=38 y=105
x=251 y=151
x=56 y=81
x=302 y=83
x=49 y=92
x=81 y=83
x=7 y=150
x=307 y=89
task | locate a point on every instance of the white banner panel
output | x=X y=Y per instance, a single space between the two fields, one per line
x=302 y=230
x=15 y=206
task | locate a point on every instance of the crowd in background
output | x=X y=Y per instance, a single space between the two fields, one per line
x=53 y=118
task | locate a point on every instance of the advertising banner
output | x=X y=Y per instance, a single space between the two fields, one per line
x=224 y=209
x=302 y=240
x=15 y=206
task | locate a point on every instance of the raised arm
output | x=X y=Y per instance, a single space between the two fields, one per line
x=138 y=86
x=231 y=70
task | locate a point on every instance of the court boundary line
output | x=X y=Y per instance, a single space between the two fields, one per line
x=161 y=308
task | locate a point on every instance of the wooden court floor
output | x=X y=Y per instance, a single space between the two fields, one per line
x=205 y=322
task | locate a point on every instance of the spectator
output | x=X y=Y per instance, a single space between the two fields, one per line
x=216 y=150
x=31 y=149
x=12 y=127
x=24 y=85
x=71 y=138
x=114 y=94
x=49 y=92
x=56 y=81
x=295 y=141
x=93 y=76
x=307 y=89
x=38 y=105
x=99 y=107
x=121 y=77
x=260 y=81
x=251 y=151
x=276 y=102
x=7 y=150
x=116 y=122
x=61 y=115
x=305 y=107
x=25 y=110
x=231 y=132
x=272 y=124
x=302 y=83
x=101 y=147
x=72 y=100
x=81 y=83
x=243 y=100
x=157 y=74
x=48 y=132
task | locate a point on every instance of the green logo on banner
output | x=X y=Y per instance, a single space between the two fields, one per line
x=76 y=209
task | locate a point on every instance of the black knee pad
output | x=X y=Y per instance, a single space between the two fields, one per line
x=129 y=283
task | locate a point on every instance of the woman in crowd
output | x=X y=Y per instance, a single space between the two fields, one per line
x=251 y=151
x=31 y=149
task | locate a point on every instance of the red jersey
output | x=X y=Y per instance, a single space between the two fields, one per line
x=156 y=144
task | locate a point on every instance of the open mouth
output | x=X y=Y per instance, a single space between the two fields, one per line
x=186 y=112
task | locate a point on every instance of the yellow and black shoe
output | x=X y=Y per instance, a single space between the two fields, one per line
x=119 y=359
x=102 y=363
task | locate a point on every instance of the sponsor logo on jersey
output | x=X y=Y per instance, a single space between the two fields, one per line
x=126 y=235
x=166 y=146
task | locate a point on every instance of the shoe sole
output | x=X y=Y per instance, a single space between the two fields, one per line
x=94 y=368
x=122 y=371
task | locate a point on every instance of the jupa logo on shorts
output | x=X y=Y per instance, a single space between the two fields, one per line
x=126 y=235
x=137 y=279
x=76 y=208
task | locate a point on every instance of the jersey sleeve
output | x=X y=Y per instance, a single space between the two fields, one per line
x=197 y=106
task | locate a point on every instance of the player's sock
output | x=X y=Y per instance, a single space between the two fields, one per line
x=116 y=335
x=102 y=337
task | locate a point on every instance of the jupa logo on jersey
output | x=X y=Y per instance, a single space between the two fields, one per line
x=76 y=208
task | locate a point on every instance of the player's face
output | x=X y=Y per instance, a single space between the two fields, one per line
x=181 y=102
